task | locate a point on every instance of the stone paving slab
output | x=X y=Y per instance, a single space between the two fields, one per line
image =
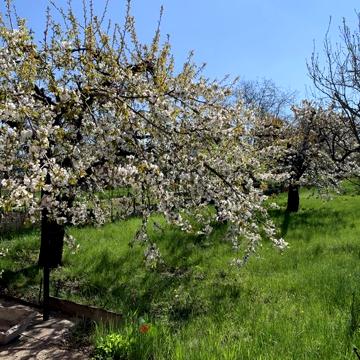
x=43 y=340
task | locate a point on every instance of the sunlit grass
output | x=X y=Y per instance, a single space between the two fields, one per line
x=303 y=303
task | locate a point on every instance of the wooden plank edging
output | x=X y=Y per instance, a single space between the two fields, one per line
x=72 y=309
x=20 y=301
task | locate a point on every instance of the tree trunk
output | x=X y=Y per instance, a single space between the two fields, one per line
x=293 y=199
x=51 y=249
x=52 y=242
x=46 y=293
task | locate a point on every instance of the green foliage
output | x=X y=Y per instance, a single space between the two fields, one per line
x=136 y=339
x=113 y=346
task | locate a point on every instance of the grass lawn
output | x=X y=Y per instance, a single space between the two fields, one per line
x=300 y=304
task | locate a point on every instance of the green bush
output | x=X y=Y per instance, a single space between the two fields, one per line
x=113 y=346
x=134 y=341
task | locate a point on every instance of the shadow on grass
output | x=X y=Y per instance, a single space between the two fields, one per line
x=319 y=220
x=22 y=232
x=285 y=224
x=123 y=283
x=120 y=282
x=20 y=279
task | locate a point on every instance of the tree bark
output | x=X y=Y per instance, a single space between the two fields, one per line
x=293 y=199
x=51 y=249
x=46 y=293
x=52 y=242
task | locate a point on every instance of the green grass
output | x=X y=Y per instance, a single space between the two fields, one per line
x=300 y=304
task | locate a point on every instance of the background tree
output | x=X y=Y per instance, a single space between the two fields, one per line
x=302 y=152
x=266 y=98
x=336 y=77
x=90 y=107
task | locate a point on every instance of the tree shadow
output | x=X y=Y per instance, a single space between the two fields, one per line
x=6 y=235
x=309 y=220
x=45 y=340
x=285 y=224
x=120 y=282
x=27 y=277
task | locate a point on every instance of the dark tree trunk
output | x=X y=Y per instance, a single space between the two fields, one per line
x=51 y=249
x=46 y=292
x=293 y=199
x=52 y=242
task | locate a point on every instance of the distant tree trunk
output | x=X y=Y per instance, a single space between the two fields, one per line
x=293 y=199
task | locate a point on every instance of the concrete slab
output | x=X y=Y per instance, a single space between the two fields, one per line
x=43 y=340
x=13 y=322
x=32 y=349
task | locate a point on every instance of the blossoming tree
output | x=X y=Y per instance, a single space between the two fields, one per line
x=87 y=108
x=335 y=77
x=311 y=150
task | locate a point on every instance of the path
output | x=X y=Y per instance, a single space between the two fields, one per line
x=43 y=340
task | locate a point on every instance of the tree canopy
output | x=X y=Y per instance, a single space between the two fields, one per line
x=90 y=107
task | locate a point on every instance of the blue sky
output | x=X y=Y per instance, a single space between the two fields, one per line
x=251 y=38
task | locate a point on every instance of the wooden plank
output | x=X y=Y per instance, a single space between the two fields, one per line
x=72 y=309
x=84 y=311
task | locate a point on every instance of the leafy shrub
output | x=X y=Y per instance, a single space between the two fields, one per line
x=113 y=346
x=134 y=341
